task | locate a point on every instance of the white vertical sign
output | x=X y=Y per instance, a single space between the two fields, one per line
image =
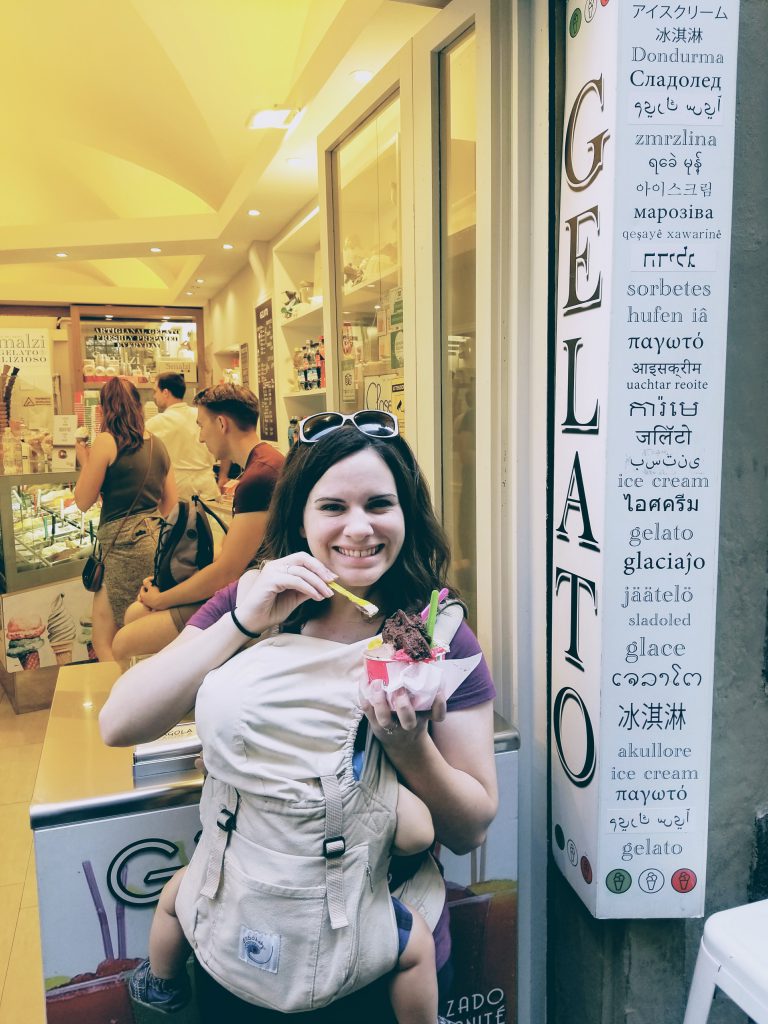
x=645 y=223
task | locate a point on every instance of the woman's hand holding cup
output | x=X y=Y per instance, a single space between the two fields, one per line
x=394 y=721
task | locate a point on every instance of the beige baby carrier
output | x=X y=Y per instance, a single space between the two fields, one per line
x=285 y=901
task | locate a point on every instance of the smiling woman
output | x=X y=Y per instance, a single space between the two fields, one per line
x=273 y=716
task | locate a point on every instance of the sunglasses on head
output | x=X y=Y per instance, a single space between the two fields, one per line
x=372 y=422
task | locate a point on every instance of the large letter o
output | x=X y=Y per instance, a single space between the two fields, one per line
x=583 y=777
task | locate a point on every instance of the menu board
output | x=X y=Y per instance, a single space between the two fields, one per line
x=642 y=304
x=265 y=351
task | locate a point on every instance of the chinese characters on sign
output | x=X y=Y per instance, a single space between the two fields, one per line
x=642 y=317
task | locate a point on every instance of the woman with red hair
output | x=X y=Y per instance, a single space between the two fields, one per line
x=132 y=472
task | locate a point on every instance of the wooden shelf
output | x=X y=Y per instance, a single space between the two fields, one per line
x=309 y=393
x=362 y=297
x=309 y=319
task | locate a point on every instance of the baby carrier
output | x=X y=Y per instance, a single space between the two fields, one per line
x=286 y=900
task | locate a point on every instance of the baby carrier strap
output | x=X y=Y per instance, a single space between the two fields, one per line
x=450 y=617
x=226 y=822
x=334 y=848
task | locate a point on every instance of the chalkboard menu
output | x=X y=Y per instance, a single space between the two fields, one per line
x=265 y=351
x=642 y=305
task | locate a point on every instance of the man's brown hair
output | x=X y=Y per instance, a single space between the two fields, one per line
x=233 y=400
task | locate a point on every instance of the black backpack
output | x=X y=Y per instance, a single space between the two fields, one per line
x=185 y=544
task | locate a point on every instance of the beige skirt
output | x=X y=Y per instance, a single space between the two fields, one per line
x=131 y=560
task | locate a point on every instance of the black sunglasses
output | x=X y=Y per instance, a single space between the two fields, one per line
x=372 y=422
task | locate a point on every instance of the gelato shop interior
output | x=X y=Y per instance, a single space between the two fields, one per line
x=318 y=220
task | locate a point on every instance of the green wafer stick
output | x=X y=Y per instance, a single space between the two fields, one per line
x=432 y=616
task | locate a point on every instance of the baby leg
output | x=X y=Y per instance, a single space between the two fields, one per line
x=168 y=949
x=413 y=985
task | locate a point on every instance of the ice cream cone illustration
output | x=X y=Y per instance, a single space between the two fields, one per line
x=61 y=631
x=85 y=636
x=24 y=635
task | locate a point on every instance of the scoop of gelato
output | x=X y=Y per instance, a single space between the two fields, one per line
x=407 y=633
x=24 y=626
x=19 y=648
x=61 y=625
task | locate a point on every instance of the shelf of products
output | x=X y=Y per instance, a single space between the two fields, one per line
x=298 y=338
x=43 y=535
x=138 y=348
x=369 y=300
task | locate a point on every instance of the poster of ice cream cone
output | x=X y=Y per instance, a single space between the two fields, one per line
x=47 y=626
x=26 y=376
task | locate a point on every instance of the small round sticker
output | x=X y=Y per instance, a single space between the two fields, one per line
x=586 y=870
x=573 y=854
x=650 y=880
x=684 y=880
x=618 y=881
x=559 y=837
x=575 y=23
x=590 y=7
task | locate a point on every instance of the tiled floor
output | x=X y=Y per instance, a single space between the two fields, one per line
x=21 y=974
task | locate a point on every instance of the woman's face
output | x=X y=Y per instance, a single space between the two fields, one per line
x=353 y=522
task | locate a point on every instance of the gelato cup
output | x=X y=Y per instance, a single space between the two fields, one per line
x=392 y=671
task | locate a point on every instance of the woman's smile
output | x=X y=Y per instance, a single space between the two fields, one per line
x=356 y=553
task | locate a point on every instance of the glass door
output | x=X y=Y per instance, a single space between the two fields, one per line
x=366 y=177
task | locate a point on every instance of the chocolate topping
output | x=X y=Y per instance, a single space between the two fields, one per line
x=407 y=633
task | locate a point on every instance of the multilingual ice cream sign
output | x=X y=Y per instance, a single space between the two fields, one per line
x=642 y=301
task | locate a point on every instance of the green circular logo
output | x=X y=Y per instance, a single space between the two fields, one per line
x=575 y=23
x=618 y=881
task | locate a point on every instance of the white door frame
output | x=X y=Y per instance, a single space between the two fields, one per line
x=512 y=294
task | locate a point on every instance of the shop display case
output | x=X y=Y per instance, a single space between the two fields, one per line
x=44 y=537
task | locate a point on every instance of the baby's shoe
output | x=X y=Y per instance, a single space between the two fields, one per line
x=165 y=995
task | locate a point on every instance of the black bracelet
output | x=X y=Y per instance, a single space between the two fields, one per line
x=241 y=627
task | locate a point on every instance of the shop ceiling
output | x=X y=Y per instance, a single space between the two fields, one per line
x=124 y=130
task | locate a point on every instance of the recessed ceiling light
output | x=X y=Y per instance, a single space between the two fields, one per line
x=254 y=213
x=274 y=117
x=227 y=246
x=108 y=316
x=295 y=161
x=361 y=76
x=155 y=249
x=189 y=293
x=166 y=318
x=200 y=280
x=62 y=255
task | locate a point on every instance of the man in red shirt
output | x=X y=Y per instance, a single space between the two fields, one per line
x=228 y=417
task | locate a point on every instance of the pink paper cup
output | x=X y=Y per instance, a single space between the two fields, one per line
x=422 y=680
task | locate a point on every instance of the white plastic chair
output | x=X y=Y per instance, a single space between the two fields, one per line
x=733 y=956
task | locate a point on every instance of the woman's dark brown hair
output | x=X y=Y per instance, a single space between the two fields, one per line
x=422 y=564
x=122 y=415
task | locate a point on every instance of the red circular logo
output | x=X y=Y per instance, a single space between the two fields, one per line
x=586 y=870
x=684 y=880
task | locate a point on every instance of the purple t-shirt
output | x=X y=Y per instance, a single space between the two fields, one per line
x=477 y=688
